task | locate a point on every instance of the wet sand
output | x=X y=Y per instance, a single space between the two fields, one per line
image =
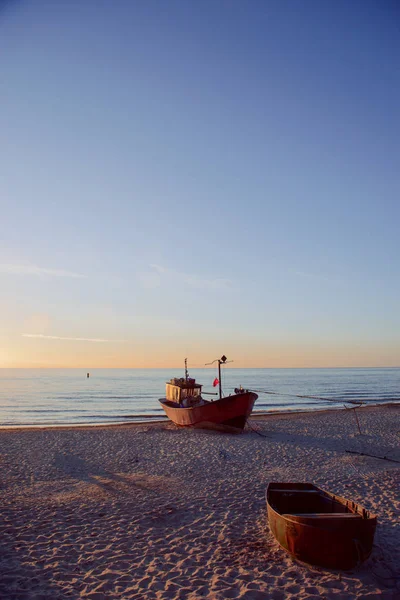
x=153 y=511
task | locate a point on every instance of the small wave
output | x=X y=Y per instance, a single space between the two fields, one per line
x=103 y=397
x=54 y=410
x=151 y=415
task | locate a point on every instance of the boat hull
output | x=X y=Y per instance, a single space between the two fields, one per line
x=227 y=414
x=340 y=538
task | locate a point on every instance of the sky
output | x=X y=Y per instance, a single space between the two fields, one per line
x=191 y=179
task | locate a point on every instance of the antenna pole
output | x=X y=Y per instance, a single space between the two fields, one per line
x=220 y=361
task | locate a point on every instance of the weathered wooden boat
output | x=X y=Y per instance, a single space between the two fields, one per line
x=319 y=527
x=185 y=406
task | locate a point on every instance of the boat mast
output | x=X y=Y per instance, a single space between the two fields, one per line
x=186 y=371
x=221 y=361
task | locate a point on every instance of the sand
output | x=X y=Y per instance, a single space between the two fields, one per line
x=153 y=511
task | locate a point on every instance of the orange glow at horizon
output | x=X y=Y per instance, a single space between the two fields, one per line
x=31 y=353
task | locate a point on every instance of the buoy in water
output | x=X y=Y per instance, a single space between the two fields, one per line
x=87 y=375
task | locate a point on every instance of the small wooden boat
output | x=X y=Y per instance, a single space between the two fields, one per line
x=319 y=527
x=185 y=405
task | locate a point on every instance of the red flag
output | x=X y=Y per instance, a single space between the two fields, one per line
x=215 y=382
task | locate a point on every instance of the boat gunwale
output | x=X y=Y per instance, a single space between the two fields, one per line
x=353 y=507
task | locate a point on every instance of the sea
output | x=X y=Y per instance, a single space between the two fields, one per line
x=38 y=397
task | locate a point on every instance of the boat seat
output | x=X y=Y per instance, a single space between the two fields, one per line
x=325 y=515
x=295 y=491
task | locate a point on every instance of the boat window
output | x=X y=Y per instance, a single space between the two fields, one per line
x=173 y=393
x=191 y=393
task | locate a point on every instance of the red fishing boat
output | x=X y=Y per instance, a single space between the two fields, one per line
x=319 y=527
x=185 y=406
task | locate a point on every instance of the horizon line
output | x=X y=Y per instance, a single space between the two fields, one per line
x=197 y=368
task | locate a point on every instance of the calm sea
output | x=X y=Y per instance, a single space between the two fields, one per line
x=67 y=396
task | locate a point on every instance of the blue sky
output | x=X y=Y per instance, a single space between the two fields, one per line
x=196 y=178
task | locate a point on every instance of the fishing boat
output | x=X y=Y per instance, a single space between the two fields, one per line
x=319 y=527
x=185 y=406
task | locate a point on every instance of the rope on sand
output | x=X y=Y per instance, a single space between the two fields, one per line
x=257 y=432
x=373 y=456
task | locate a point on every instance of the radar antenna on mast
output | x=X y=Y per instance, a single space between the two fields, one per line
x=221 y=361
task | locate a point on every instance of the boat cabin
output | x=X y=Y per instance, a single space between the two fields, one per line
x=183 y=391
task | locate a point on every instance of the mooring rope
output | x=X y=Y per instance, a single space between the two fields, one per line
x=304 y=396
x=255 y=430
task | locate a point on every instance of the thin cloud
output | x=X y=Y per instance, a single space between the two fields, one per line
x=39 y=271
x=56 y=337
x=193 y=280
x=313 y=276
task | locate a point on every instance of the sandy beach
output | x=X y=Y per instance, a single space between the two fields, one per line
x=153 y=511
